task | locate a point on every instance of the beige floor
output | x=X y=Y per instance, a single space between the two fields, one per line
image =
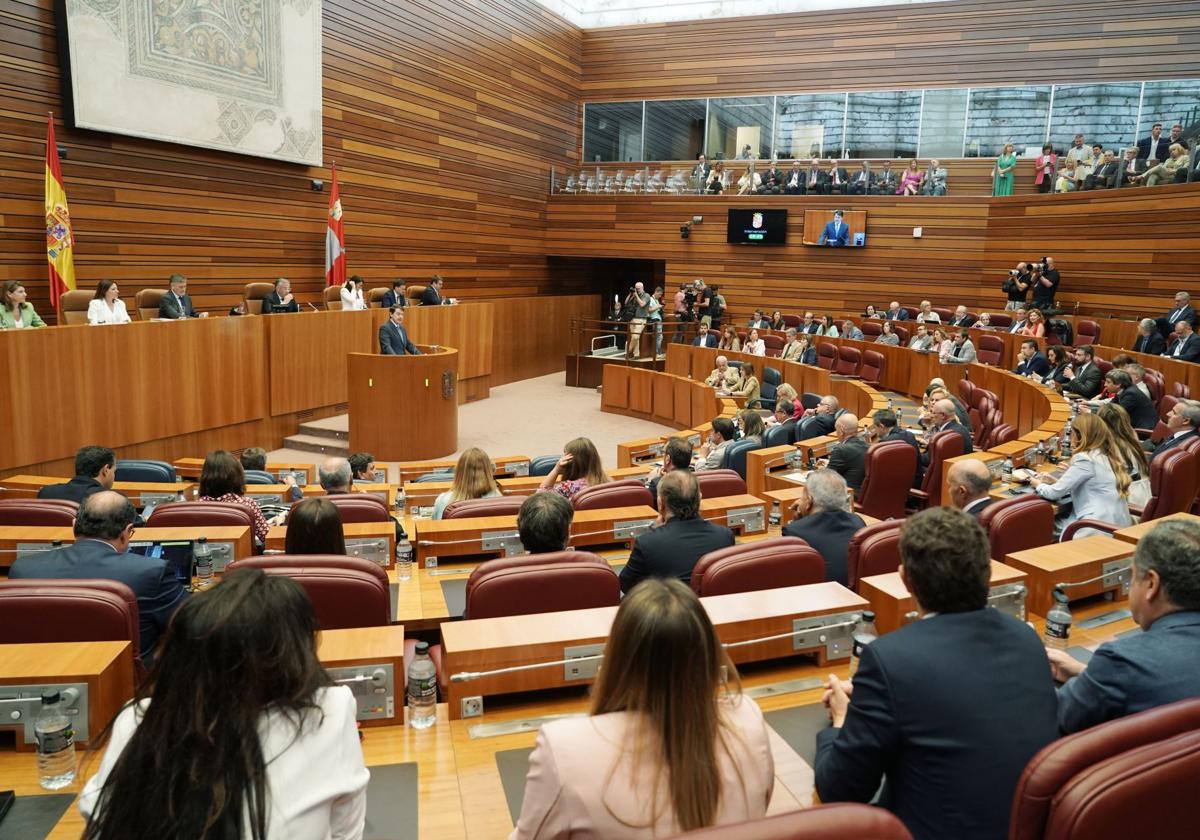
x=532 y=417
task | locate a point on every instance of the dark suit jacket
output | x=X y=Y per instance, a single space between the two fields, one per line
x=75 y=490
x=1141 y=411
x=843 y=178
x=158 y=592
x=169 y=307
x=832 y=236
x=829 y=532
x=393 y=341
x=1087 y=383
x=811 y=329
x=1039 y=365
x=965 y=321
x=1123 y=174
x=849 y=459
x=779 y=175
x=1153 y=344
x=900 y=315
x=1135 y=673
x=977 y=507
x=885 y=181
x=672 y=549
x=430 y=297
x=951 y=708
x=272 y=300
x=1106 y=175
x=1160 y=154
x=815 y=426
x=964 y=433
x=1171 y=443
x=1190 y=352
x=711 y=342
x=390 y=299
x=1175 y=316
x=808 y=357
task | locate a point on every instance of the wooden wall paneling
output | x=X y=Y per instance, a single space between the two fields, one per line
x=533 y=333
x=308 y=355
x=468 y=328
x=664 y=400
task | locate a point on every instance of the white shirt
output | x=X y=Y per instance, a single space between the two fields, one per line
x=99 y=313
x=1093 y=488
x=352 y=300
x=757 y=348
x=316 y=781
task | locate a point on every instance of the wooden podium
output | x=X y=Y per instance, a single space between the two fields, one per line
x=404 y=408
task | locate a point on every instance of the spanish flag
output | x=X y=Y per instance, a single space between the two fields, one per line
x=60 y=241
x=335 y=239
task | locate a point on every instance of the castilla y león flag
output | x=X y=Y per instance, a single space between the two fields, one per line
x=60 y=240
x=335 y=239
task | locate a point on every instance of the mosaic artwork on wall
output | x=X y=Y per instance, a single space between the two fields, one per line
x=238 y=75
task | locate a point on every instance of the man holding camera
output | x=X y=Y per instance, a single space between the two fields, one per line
x=639 y=301
x=1016 y=286
x=1045 y=289
x=685 y=299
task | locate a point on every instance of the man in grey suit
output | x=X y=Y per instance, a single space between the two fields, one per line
x=1157 y=666
x=963 y=351
x=393 y=338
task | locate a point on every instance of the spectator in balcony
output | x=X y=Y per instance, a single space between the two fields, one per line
x=888 y=335
x=1164 y=173
x=755 y=345
x=700 y=172
x=750 y=183
x=772 y=179
x=1131 y=167
x=729 y=340
x=1104 y=173
x=1079 y=152
x=716 y=178
x=1068 y=177
x=1035 y=327
x=885 y=180
x=933 y=182
x=815 y=181
x=1153 y=147
x=793 y=183
x=1047 y=164
x=746 y=153
x=836 y=180
x=1002 y=177
x=1177 y=135
x=863 y=180
x=1149 y=339
x=910 y=180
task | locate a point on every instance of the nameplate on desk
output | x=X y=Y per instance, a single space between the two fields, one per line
x=268 y=499
x=506 y=542
x=750 y=518
x=222 y=555
x=32 y=549
x=518 y=468
x=996 y=468
x=632 y=528
x=374 y=549
x=299 y=476
x=158 y=498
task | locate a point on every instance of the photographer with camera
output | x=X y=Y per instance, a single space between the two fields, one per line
x=1045 y=289
x=685 y=303
x=639 y=302
x=1016 y=286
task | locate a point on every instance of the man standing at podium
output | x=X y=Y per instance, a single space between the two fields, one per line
x=393 y=338
x=836 y=233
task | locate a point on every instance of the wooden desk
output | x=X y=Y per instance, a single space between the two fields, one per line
x=743 y=514
x=238 y=536
x=190 y=468
x=895 y=606
x=1072 y=562
x=358 y=651
x=507 y=465
x=423 y=494
x=139 y=492
x=358 y=533
x=1136 y=532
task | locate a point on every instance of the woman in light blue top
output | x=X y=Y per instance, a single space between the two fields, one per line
x=474 y=478
x=1097 y=479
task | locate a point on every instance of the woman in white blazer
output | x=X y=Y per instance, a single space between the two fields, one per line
x=237 y=732
x=107 y=307
x=606 y=775
x=1097 y=478
x=352 y=294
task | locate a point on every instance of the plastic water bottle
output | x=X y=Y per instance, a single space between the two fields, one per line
x=202 y=554
x=422 y=690
x=55 y=736
x=1058 y=621
x=864 y=634
x=404 y=555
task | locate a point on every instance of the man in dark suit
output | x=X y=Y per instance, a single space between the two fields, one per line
x=810 y=325
x=824 y=521
x=95 y=469
x=432 y=296
x=1085 y=380
x=1181 y=311
x=700 y=173
x=704 y=337
x=836 y=179
x=895 y=312
x=848 y=457
x=836 y=232
x=394 y=296
x=1020 y=320
x=885 y=180
x=950 y=708
x=1185 y=348
x=1149 y=339
x=544 y=523
x=176 y=304
x=1155 y=146
x=1157 y=666
x=773 y=179
x=280 y=298
x=1183 y=424
x=863 y=180
x=962 y=318
x=1142 y=414
x=969 y=483
x=672 y=547
x=1033 y=361
x=393 y=338
x=101 y=550
x=1131 y=167
x=1104 y=176
x=886 y=426
x=784 y=418
x=818 y=421
x=944 y=416
x=816 y=182
x=793 y=180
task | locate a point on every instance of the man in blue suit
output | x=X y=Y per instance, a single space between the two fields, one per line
x=394 y=296
x=101 y=550
x=1157 y=666
x=836 y=233
x=704 y=337
x=393 y=338
x=1033 y=362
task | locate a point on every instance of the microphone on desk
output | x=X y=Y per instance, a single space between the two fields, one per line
x=314 y=306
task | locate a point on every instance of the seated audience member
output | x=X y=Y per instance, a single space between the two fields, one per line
x=1020 y=320
x=1032 y=363
x=848 y=457
x=335 y=475
x=1186 y=346
x=887 y=335
x=253 y=458
x=362 y=468
x=927 y=315
x=352 y=294
x=474 y=478
x=754 y=345
x=1165 y=172
x=432 y=294
x=777 y=322
x=176 y=303
x=222 y=479
x=1149 y=340
x=272 y=724
x=758 y=321
x=315 y=527
x=394 y=296
x=747 y=386
x=1183 y=424
x=280 y=299
x=783 y=416
x=791 y=346
x=1181 y=310
x=1105 y=173
x=885 y=426
x=819 y=421
x=1097 y=479
x=786 y=395
x=712 y=452
x=704 y=337
x=794 y=180
x=1160 y=665
x=961 y=317
x=1058 y=357
x=15 y=312
x=1083 y=377
x=827 y=327
x=851 y=331
x=677 y=455
x=944 y=418
x=922 y=339
x=969 y=483
x=885 y=180
x=393 y=337
x=836 y=179
x=729 y=340
x=722 y=375
x=103 y=529
x=750 y=183
x=824 y=521
x=671 y=548
x=1067 y=179
x=670 y=744
x=106 y=307
x=1118 y=385
x=578 y=468
x=862 y=180
x=716 y=178
x=1035 y=326
x=910 y=180
x=1137 y=374
x=895 y=313
x=806 y=354
x=772 y=180
x=1126 y=440
x=1131 y=167
x=933 y=180
x=870 y=312
x=951 y=708
x=752 y=425
x=544 y=523
x=963 y=350
x=95 y=470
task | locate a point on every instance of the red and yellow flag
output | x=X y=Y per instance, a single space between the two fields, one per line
x=60 y=240
x=335 y=239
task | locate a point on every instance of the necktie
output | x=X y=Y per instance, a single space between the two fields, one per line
x=836 y=180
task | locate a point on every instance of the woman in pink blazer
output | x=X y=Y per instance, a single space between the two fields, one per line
x=630 y=770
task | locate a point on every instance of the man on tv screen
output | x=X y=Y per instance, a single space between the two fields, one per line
x=836 y=233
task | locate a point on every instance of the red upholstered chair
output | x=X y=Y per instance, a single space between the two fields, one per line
x=541 y=583
x=345 y=591
x=1173 y=481
x=999 y=319
x=942 y=446
x=185 y=514
x=1180 y=391
x=38 y=512
x=827 y=355
x=765 y=564
x=1141 y=767
x=627 y=493
x=848 y=361
x=360 y=507
x=965 y=389
x=871 y=328
x=793 y=321
x=1003 y=433
x=79 y=610
x=717 y=483
x=1155 y=382
x=839 y=821
x=495 y=506
x=890 y=468
x=1087 y=332
x=774 y=344
x=873 y=550
x=947 y=315
x=989 y=349
x=1017 y=524
x=1104 y=364
x=913 y=312
x=903 y=332
x=873 y=364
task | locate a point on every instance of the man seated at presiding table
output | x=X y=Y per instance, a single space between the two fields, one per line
x=103 y=530
x=544 y=523
x=969 y=483
x=280 y=298
x=176 y=303
x=722 y=434
x=394 y=296
x=824 y=521
x=95 y=470
x=848 y=457
x=950 y=708
x=722 y=376
x=1142 y=670
x=393 y=338
x=679 y=538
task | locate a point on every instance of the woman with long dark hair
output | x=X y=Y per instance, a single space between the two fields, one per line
x=238 y=733
x=579 y=467
x=314 y=526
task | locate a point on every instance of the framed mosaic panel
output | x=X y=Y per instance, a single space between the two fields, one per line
x=236 y=75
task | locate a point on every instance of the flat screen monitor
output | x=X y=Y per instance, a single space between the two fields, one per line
x=177 y=554
x=851 y=233
x=757 y=227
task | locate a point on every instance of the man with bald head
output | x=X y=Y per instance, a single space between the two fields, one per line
x=944 y=418
x=969 y=483
x=848 y=457
x=335 y=475
x=103 y=528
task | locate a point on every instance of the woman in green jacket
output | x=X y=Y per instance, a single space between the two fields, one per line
x=15 y=312
x=1002 y=183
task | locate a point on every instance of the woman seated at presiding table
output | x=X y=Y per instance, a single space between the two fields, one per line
x=669 y=746
x=15 y=313
x=107 y=307
x=271 y=751
x=222 y=479
x=314 y=526
x=578 y=468
x=352 y=294
x=474 y=478
x=1097 y=479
